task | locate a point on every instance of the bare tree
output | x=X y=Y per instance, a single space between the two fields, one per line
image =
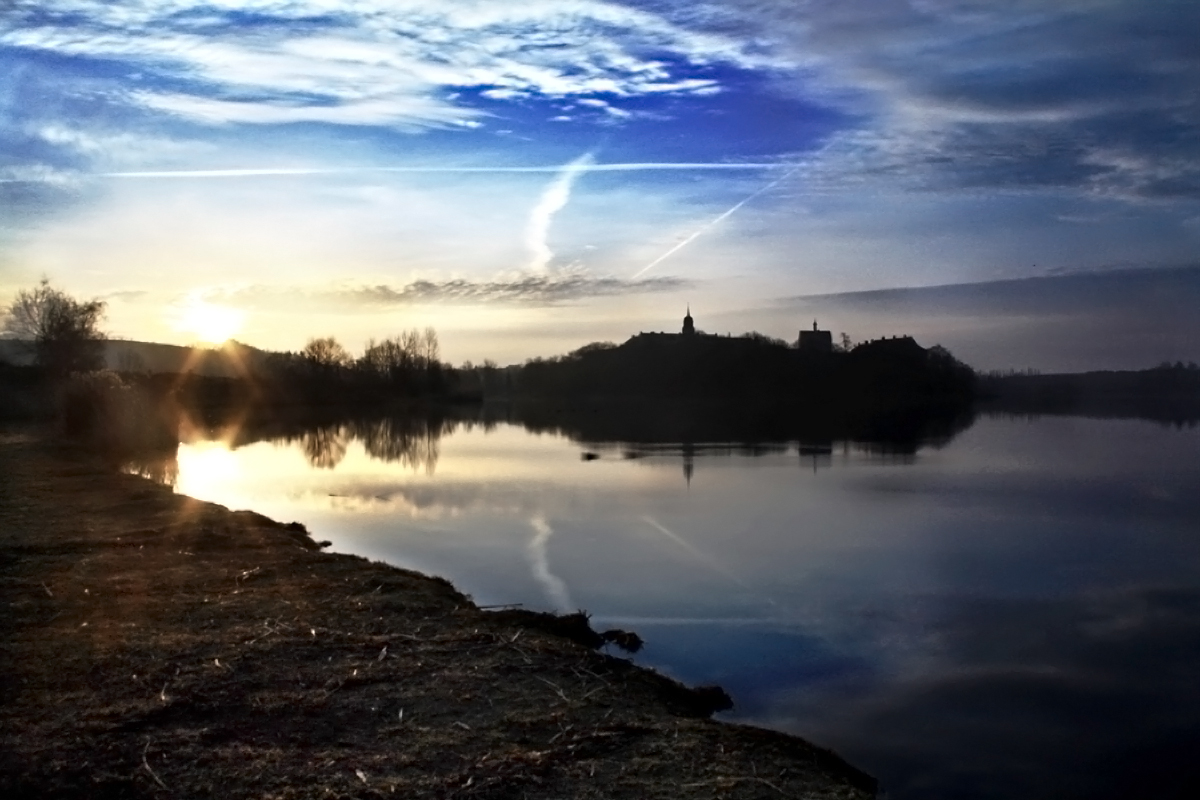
x=64 y=333
x=385 y=359
x=411 y=342
x=430 y=348
x=326 y=353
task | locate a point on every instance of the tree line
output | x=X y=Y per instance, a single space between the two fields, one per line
x=406 y=364
x=68 y=381
x=65 y=337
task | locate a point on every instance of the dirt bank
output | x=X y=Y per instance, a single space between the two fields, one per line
x=152 y=645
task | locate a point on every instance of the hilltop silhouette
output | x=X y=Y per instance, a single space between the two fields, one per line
x=812 y=372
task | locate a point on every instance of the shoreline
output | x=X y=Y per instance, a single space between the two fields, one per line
x=155 y=645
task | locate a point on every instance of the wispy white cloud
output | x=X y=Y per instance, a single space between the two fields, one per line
x=554 y=198
x=393 y=63
x=40 y=174
x=405 y=113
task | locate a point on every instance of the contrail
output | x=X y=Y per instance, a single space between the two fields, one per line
x=556 y=589
x=697 y=554
x=711 y=223
x=271 y=172
x=553 y=199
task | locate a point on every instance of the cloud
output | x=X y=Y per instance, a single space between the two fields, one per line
x=553 y=200
x=405 y=113
x=1092 y=96
x=1089 y=96
x=517 y=288
x=125 y=295
x=373 y=63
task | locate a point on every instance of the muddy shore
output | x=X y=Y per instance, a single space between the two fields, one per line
x=152 y=645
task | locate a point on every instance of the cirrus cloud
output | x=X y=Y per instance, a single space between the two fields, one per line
x=1088 y=96
x=376 y=63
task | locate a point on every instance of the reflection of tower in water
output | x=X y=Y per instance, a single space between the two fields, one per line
x=818 y=454
x=689 y=463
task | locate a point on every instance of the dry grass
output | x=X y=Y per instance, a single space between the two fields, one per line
x=156 y=646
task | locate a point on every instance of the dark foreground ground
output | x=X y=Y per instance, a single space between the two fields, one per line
x=155 y=646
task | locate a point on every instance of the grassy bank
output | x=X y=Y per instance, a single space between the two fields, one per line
x=153 y=646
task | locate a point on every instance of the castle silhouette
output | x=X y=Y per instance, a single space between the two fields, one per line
x=814 y=341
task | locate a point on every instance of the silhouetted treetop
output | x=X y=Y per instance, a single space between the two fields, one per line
x=64 y=332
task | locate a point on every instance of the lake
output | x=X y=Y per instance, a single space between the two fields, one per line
x=1007 y=609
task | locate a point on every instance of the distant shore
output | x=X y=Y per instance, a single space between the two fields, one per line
x=154 y=645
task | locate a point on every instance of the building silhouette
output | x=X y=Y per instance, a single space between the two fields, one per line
x=816 y=341
x=689 y=327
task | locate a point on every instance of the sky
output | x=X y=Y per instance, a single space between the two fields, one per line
x=531 y=176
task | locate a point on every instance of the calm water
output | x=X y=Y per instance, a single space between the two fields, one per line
x=1012 y=614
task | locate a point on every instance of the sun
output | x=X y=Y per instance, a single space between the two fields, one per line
x=210 y=322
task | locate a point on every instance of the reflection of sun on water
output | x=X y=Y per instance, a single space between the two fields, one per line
x=205 y=467
x=210 y=322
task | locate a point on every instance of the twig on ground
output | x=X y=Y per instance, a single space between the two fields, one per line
x=555 y=687
x=522 y=653
x=146 y=764
x=773 y=786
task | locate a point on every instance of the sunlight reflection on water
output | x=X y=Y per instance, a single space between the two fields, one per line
x=1013 y=592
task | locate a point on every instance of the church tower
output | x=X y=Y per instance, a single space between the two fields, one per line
x=689 y=328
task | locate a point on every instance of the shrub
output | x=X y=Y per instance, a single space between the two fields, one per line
x=102 y=411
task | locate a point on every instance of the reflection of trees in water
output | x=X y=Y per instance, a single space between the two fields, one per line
x=412 y=441
x=325 y=447
x=743 y=428
x=160 y=467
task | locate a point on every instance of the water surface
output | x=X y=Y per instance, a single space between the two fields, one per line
x=1013 y=612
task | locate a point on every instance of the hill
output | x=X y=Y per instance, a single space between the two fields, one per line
x=882 y=373
x=230 y=360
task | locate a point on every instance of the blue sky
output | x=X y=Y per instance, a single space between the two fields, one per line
x=509 y=172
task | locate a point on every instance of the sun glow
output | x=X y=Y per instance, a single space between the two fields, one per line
x=209 y=322
x=207 y=470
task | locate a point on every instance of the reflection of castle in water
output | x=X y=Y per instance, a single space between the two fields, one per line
x=818 y=455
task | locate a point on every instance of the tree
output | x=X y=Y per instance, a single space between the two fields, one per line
x=326 y=354
x=63 y=332
x=430 y=349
